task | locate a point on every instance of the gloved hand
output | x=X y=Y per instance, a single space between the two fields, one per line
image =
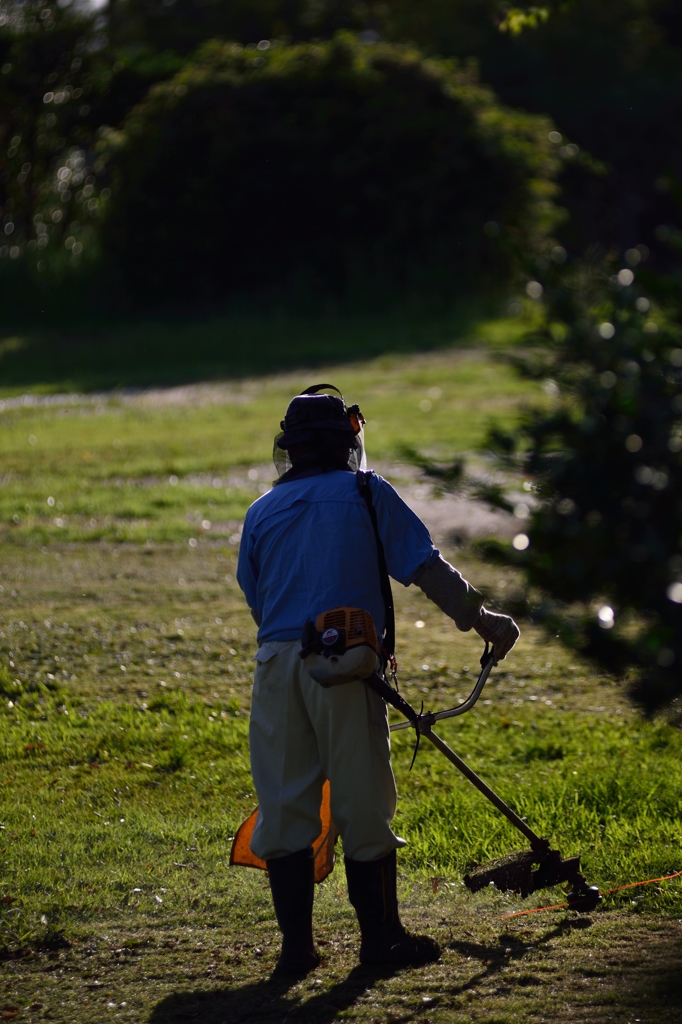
x=499 y=630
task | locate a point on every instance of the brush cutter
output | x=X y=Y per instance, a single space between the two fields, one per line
x=525 y=871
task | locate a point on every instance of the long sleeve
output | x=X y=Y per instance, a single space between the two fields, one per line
x=448 y=589
x=247 y=572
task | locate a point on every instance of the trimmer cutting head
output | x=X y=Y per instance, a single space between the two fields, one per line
x=525 y=871
x=516 y=873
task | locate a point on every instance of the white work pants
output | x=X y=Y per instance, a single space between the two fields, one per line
x=301 y=734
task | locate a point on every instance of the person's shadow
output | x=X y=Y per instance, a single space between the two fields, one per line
x=268 y=1000
x=272 y=1001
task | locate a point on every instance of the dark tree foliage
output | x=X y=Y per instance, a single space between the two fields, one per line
x=182 y=25
x=607 y=463
x=59 y=82
x=340 y=162
x=50 y=73
x=608 y=72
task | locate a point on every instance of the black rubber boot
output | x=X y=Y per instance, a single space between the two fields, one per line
x=292 y=882
x=372 y=892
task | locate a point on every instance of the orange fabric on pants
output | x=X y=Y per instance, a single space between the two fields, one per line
x=323 y=848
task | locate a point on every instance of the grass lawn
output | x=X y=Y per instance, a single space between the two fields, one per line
x=157 y=465
x=174 y=349
x=125 y=676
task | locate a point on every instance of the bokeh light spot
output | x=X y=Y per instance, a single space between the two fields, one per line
x=606 y=616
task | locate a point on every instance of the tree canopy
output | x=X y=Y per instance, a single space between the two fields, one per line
x=348 y=164
x=607 y=73
x=603 y=539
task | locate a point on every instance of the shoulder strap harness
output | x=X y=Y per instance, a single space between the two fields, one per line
x=378 y=683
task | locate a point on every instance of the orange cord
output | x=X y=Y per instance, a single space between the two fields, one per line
x=559 y=906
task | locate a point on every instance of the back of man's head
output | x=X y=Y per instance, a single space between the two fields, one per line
x=319 y=429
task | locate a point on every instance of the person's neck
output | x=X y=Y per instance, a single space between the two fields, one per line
x=312 y=465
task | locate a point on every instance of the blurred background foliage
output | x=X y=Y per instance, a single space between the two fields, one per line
x=346 y=165
x=602 y=544
x=607 y=71
x=599 y=537
x=165 y=156
x=426 y=173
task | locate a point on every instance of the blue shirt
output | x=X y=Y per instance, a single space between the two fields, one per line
x=308 y=546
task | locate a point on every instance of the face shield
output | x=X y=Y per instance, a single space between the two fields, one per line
x=322 y=423
x=358 y=456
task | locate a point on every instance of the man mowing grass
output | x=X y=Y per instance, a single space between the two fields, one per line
x=324 y=540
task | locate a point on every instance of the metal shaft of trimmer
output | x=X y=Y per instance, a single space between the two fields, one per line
x=535 y=841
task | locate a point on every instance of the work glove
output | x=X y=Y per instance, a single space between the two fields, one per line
x=499 y=630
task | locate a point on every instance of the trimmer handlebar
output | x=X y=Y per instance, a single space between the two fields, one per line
x=427 y=720
x=424 y=725
x=516 y=870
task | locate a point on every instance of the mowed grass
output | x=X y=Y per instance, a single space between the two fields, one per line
x=125 y=768
x=161 y=466
x=125 y=672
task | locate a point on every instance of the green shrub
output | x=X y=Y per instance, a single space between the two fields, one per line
x=606 y=461
x=342 y=166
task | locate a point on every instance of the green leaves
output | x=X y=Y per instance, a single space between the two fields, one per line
x=606 y=461
x=337 y=167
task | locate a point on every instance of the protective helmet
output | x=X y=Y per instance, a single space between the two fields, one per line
x=321 y=420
